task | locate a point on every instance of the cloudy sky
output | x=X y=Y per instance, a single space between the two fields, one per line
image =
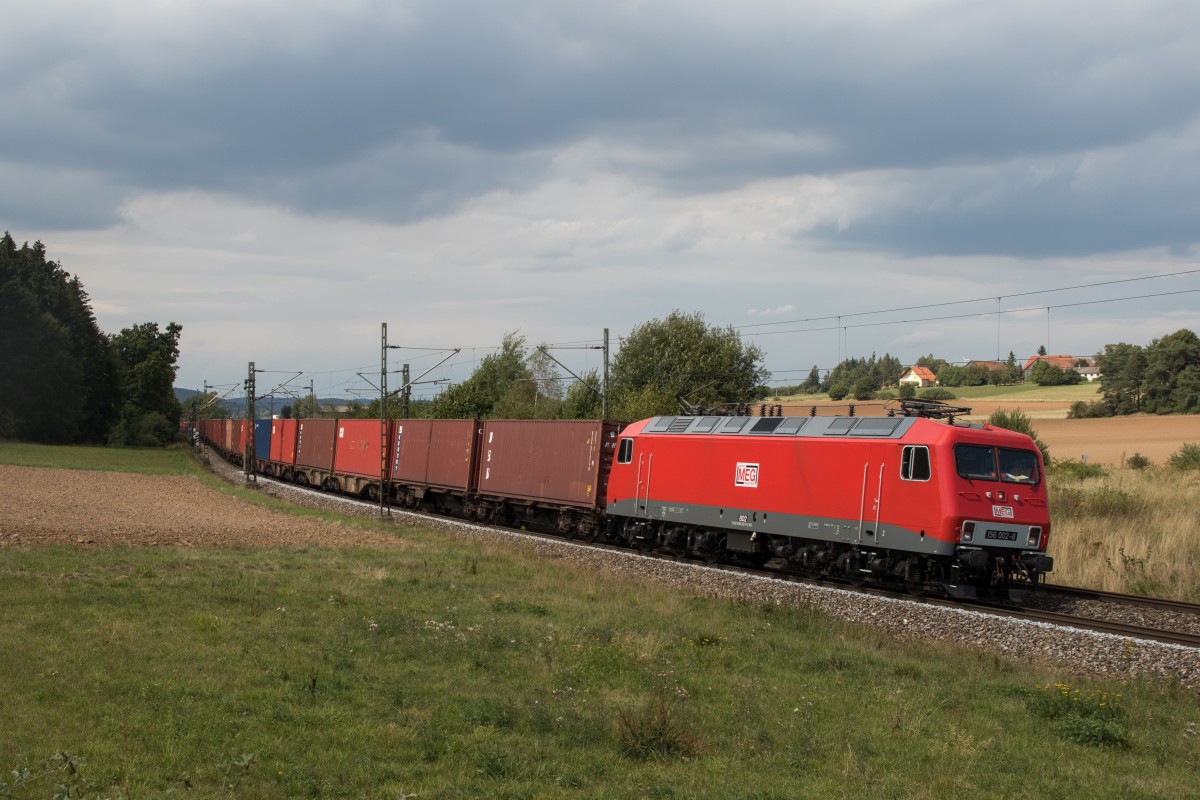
x=832 y=179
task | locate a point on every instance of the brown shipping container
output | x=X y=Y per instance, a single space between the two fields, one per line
x=434 y=452
x=560 y=461
x=238 y=442
x=314 y=443
x=227 y=436
x=358 y=452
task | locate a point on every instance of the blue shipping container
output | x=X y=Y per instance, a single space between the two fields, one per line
x=262 y=439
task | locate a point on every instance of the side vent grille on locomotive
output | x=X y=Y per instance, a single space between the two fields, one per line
x=680 y=425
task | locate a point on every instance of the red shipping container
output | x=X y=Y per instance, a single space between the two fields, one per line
x=560 y=461
x=283 y=442
x=434 y=452
x=227 y=435
x=358 y=450
x=314 y=443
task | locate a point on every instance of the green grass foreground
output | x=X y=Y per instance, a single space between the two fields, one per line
x=455 y=668
x=175 y=460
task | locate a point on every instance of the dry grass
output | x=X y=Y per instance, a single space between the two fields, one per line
x=1129 y=531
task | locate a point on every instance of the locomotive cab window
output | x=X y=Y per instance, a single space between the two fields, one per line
x=974 y=462
x=625 y=453
x=991 y=463
x=914 y=463
x=1018 y=466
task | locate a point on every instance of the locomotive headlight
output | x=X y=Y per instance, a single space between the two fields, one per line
x=1035 y=536
x=968 y=532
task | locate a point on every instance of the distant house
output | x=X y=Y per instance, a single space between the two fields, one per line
x=921 y=377
x=1083 y=365
x=993 y=366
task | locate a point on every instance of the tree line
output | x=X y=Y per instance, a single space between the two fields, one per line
x=1161 y=378
x=660 y=363
x=682 y=358
x=62 y=379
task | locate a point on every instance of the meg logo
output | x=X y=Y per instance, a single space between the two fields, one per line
x=746 y=475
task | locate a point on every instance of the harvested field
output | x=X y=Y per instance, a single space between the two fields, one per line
x=1107 y=441
x=1103 y=441
x=105 y=509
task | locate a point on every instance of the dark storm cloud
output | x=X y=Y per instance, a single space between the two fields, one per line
x=397 y=112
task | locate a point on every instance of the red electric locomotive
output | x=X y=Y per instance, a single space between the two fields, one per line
x=901 y=499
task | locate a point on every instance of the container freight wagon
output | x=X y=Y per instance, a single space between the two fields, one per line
x=315 y=440
x=283 y=448
x=545 y=474
x=360 y=457
x=433 y=463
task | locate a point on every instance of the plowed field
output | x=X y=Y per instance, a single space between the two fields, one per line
x=58 y=506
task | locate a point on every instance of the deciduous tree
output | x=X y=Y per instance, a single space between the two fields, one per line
x=150 y=413
x=1122 y=377
x=682 y=355
x=479 y=395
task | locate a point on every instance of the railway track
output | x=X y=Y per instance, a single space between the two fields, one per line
x=1124 y=616
x=1114 y=627
x=1137 y=601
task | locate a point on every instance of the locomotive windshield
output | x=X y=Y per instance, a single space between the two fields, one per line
x=976 y=462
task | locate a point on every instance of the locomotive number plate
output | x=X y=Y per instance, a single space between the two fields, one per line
x=1003 y=536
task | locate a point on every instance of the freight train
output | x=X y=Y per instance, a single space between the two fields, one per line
x=916 y=499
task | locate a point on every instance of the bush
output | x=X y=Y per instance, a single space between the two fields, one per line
x=148 y=429
x=864 y=388
x=937 y=393
x=908 y=391
x=1186 y=458
x=1137 y=461
x=838 y=391
x=1082 y=409
x=1018 y=421
x=885 y=394
x=1077 y=469
x=1046 y=374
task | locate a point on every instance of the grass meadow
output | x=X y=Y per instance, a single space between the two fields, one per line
x=1126 y=530
x=175 y=460
x=460 y=668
